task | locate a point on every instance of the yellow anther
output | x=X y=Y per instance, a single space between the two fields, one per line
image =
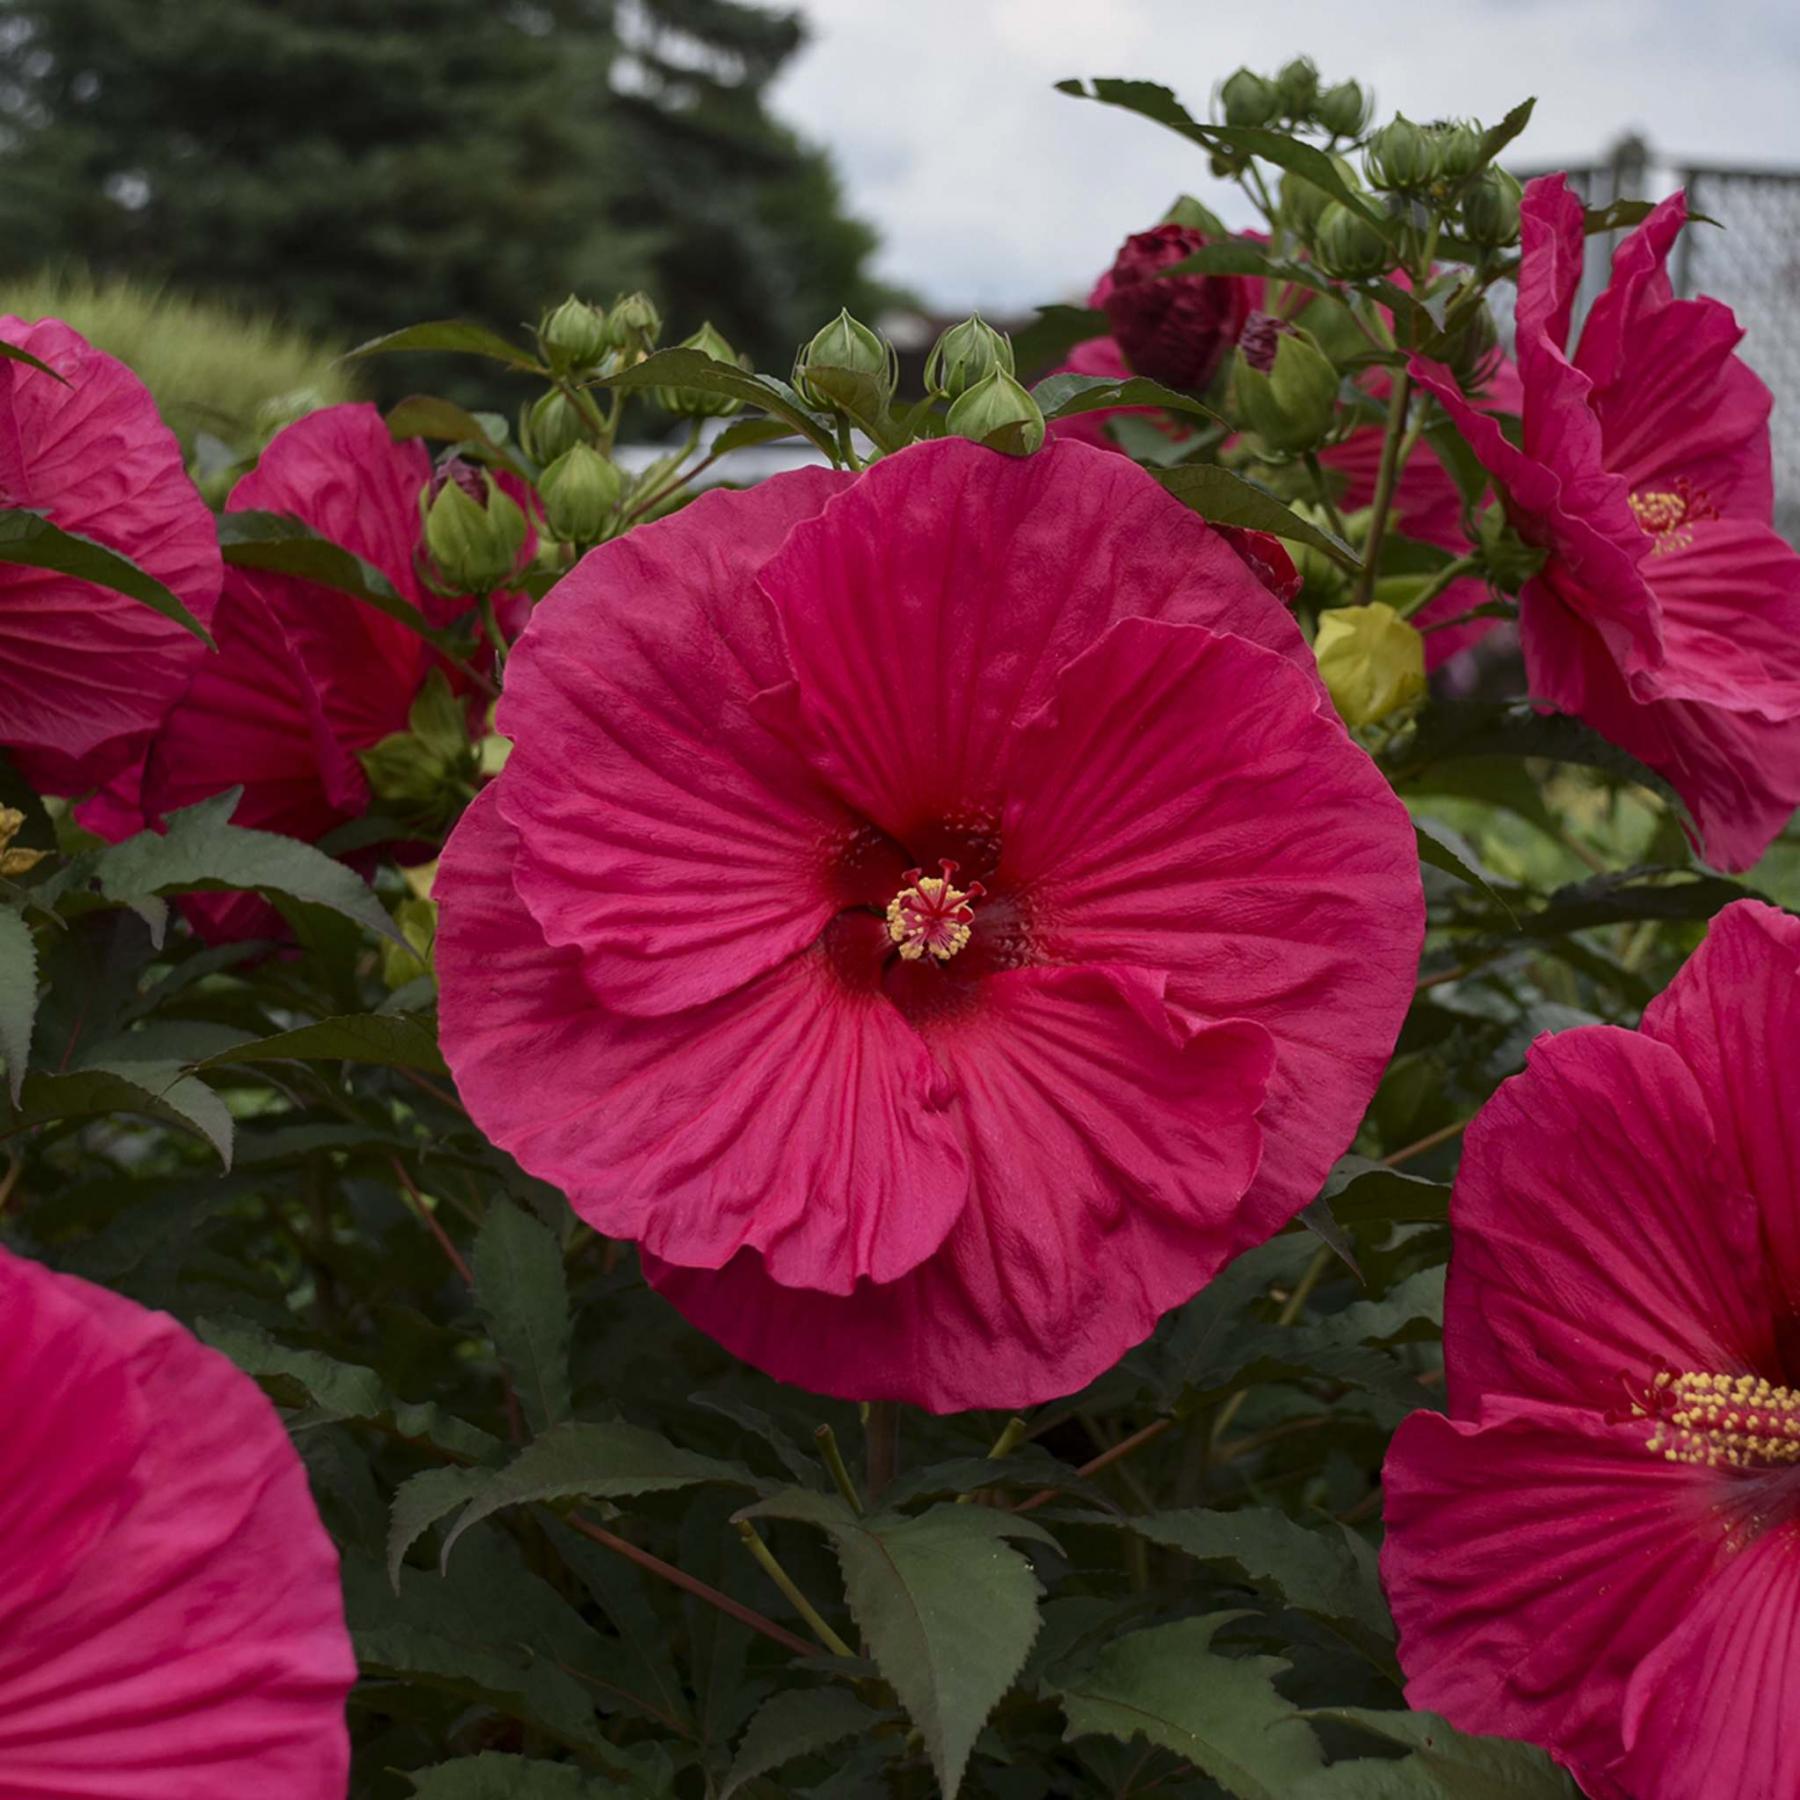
x=930 y=916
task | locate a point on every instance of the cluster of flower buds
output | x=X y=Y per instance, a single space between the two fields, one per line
x=428 y=771
x=474 y=530
x=1295 y=94
x=1446 y=163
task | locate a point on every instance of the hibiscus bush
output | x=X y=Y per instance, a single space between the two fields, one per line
x=1097 y=1096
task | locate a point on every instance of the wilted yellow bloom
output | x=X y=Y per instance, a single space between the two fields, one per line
x=15 y=862
x=1372 y=661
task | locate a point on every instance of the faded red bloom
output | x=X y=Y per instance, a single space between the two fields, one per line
x=955 y=1137
x=1176 y=329
x=1668 y=613
x=1599 y=1548
x=87 y=674
x=171 y=1624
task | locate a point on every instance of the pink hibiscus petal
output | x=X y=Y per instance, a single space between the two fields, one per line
x=1707 y=1712
x=799 y=1117
x=1185 y=803
x=1534 y=1555
x=85 y=673
x=915 y=650
x=1552 y=230
x=1110 y=1145
x=1581 y=1260
x=195 y=1647
x=663 y=828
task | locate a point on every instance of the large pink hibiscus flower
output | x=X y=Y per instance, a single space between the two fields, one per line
x=171 y=1625
x=1668 y=612
x=1599 y=1548
x=934 y=912
x=86 y=674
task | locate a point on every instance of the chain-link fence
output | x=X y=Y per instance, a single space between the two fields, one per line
x=1748 y=260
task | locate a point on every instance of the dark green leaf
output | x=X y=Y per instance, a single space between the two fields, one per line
x=524 y=1298
x=419 y=1502
x=1444 y=1764
x=1497 y=137
x=1621 y=215
x=428 y=416
x=1361 y=1192
x=29 y=540
x=798 y=1723
x=18 y=996
x=741 y=434
x=460 y=336
x=682 y=368
x=1445 y=849
x=1218 y=495
x=155 y=1089
x=1054 y=333
x=947 y=1607
x=1063 y=396
x=391 y=1040
x=1629 y=894
x=594 y=1462
x=1244 y=256
x=1220 y=1713
x=494 y=1776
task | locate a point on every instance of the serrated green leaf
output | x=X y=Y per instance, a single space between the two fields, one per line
x=1497 y=137
x=524 y=1297
x=593 y=1462
x=155 y=1089
x=18 y=996
x=28 y=540
x=798 y=1723
x=389 y=1040
x=1361 y=1192
x=1063 y=396
x=428 y=416
x=1223 y=498
x=1220 y=1713
x=1447 y=850
x=419 y=1503
x=684 y=368
x=203 y=850
x=333 y=1390
x=494 y=1776
x=1629 y=894
x=1444 y=1764
x=456 y=336
x=947 y=1607
x=1327 y=1570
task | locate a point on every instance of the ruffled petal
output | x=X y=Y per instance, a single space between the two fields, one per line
x=196 y=1649
x=1595 y=1236
x=1709 y=1712
x=799 y=1117
x=665 y=832
x=1733 y=1016
x=1185 y=804
x=1553 y=253
x=85 y=673
x=1533 y=1557
x=931 y=605
x=1110 y=1147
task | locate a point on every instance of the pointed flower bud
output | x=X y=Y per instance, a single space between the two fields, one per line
x=1284 y=387
x=1371 y=661
x=633 y=324
x=1348 y=246
x=997 y=412
x=1343 y=109
x=427 y=770
x=1458 y=149
x=1298 y=86
x=1303 y=204
x=696 y=403
x=1490 y=210
x=551 y=426
x=573 y=336
x=580 y=492
x=847 y=366
x=965 y=354
x=473 y=530
x=1249 y=99
x=1401 y=157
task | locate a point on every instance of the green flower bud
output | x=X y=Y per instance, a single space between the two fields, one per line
x=633 y=324
x=997 y=412
x=1284 y=387
x=428 y=769
x=1371 y=661
x=847 y=367
x=1343 y=109
x=552 y=425
x=1349 y=246
x=580 y=492
x=473 y=543
x=1490 y=210
x=965 y=354
x=416 y=919
x=573 y=336
x=696 y=403
x=1298 y=87
x=1475 y=351
x=1401 y=157
x=1458 y=149
x=1249 y=99
x=1302 y=203
x=1506 y=559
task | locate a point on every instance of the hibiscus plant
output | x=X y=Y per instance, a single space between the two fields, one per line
x=1097 y=1095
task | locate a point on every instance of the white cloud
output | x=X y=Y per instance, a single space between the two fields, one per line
x=989 y=188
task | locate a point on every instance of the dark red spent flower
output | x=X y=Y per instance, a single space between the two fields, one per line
x=1176 y=329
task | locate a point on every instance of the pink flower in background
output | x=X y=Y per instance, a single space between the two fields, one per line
x=1599 y=1548
x=171 y=1623
x=1177 y=329
x=87 y=674
x=1668 y=612
x=935 y=912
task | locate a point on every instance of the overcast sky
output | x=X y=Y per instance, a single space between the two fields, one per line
x=989 y=188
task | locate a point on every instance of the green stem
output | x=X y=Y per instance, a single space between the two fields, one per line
x=790 y=1588
x=1385 y=482
x=1450 y=573
x=833 y=1458
x=1290 y=1311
